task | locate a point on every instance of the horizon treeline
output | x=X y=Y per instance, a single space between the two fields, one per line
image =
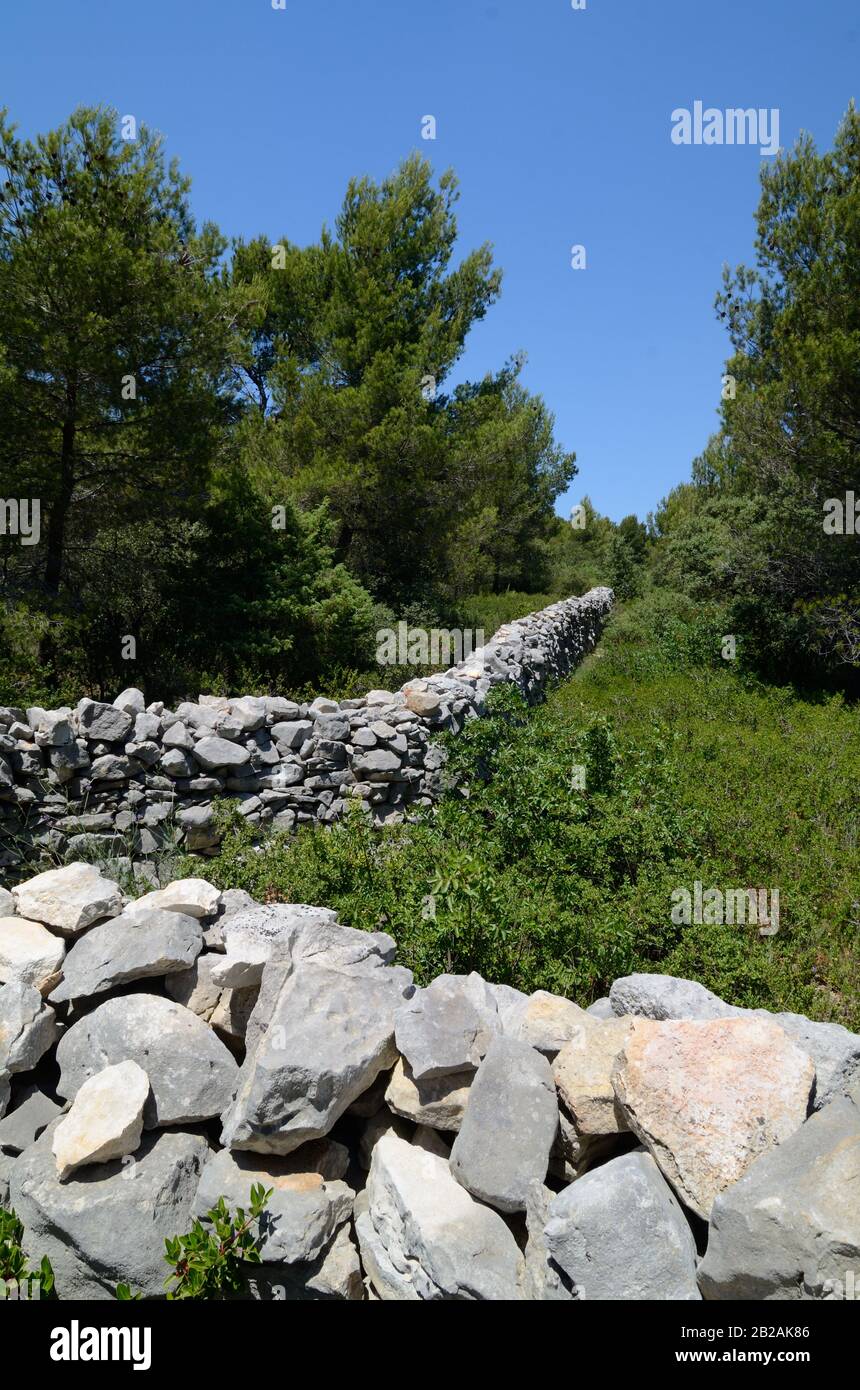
x=769 y=526
x=246 y=456
x=249 y=456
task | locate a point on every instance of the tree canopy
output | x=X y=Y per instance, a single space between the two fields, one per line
x=165 y=396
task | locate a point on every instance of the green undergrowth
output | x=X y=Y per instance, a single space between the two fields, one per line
x=693 y=771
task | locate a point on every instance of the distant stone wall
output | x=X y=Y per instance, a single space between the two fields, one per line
x=128 y=777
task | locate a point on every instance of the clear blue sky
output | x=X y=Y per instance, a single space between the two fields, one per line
x=557 y=123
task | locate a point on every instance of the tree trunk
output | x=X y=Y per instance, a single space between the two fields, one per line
x=60 y=507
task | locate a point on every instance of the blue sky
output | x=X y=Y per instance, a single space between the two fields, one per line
x=557 y=122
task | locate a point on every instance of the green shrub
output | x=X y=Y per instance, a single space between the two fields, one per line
x=693 y=771
x=13 y=1261
x=210 y=1261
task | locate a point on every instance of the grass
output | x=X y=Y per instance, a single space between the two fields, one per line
x=693 y=771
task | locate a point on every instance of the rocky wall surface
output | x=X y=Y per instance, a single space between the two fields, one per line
x=127 y=777
x=462 y=1141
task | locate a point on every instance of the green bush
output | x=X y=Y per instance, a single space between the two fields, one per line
x=13 y=1261
x=693 y=771
x=210 y=1262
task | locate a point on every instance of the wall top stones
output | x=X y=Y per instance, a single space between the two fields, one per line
x=463 y=1140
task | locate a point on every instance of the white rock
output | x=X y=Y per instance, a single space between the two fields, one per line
x=423 y=1237
x=105 y=1121
x=29 y=952
x=193 y=896
x=70 y=898
x=131 y=700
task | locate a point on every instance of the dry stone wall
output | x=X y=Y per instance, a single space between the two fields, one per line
x=462 y=1141
x=128 y=777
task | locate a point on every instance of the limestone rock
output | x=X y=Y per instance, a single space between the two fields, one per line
x=333 y=1275
x=583 y=1075
x=376 y=764
x=105 y=1121
x=109 y=1224
x=790 y=1227
x=422 y=701
x=423 y=1237
x=328 y=1033
x=447 y=1027
x=707 y=1097
x=303 y=1213
x=69 y=899
x=834 y=1050
x=542 y=1279
x=256 y=934
x=665 y=996
x=28 y=1027
x=619 y=1233
x=104 y=723
x=439 y=1101
x=131 y=700
x=601 y=1008
x=213 y=753
x=191 y=1073
x=32 y=1113
x=30 y=953
x=145 y=945
x=193 y=897
x=198 y=823
x=194 y=988
x=504 y=1141
x=548 y=1021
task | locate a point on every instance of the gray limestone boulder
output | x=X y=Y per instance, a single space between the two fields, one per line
x=302 y=1215
x=619 y=1232
x=69 y=899
x=105 y=723
x=108 y=1223
x=448 y=1026
x=191 y=1072
x=509 y=1126
x=423 y=1237
x=790 y=1228
x=212 y=753
x=665 y=996
x=291 y=931
x=317 y=1039
x=135 y=946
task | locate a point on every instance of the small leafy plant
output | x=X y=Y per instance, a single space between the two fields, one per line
x=13 y=1261
x=208 y=1261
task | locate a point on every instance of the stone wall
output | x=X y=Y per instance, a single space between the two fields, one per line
x=127 y=777
x=463 y=1141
